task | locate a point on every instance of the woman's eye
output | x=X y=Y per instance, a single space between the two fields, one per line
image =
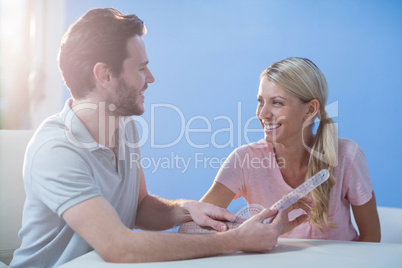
x=276 y=102
x=260 y=102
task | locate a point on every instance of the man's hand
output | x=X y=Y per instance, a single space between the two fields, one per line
x=255 y=236
x=206 y=214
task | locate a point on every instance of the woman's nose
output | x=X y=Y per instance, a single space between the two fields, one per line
x=265 y=112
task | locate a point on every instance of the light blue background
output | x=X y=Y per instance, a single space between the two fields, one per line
x=207 y=56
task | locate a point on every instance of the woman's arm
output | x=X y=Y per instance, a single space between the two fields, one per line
x=218 y=195
x=368 y=222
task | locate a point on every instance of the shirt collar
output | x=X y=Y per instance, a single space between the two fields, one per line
x=75 y=130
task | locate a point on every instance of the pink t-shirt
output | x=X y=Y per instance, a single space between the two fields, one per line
x=251 y=171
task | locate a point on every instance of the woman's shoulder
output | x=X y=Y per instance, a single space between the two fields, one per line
x=259 y=147
x=348 y=148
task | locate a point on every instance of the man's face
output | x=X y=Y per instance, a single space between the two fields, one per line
x=128 y=96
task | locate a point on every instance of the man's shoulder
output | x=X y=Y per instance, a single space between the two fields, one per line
x=51 y=132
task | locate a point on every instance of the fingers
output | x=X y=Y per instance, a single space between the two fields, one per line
x=296 y=222
x=216 y=225
x=212 y=216
x=282 y=219
x=266 y=213
x=226 y=215
x=309 y=202
x=212 y=220
x=218 y=213
x=300 y=204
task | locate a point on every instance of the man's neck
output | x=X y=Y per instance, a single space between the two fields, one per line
x=98 y=120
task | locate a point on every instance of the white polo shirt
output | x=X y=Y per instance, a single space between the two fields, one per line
x=64 y=166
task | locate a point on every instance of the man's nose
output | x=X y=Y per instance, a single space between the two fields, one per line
x=150 y=77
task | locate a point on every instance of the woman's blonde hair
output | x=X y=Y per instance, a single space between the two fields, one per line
x=302 y=78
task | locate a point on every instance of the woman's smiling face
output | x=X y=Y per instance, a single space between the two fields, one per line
x=281 y=114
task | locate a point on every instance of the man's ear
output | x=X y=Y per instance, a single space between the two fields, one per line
x=313 y=107
x=102 y=74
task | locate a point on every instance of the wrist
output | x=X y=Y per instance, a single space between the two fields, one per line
x=231 y=238
x=182 y=210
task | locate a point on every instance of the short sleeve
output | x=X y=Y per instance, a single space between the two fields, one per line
x=233 y=173
x=61 y=178
x=358 y=184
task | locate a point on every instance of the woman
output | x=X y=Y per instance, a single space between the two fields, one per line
x=291 y=96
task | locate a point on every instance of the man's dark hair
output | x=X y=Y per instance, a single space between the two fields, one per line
x=98 y=36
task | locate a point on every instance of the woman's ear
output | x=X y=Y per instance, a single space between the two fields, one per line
x=313 y=107
x=102 y=74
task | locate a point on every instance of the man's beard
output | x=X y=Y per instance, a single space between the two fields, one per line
x=125 y=100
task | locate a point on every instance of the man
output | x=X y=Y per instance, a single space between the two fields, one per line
x=82 y=193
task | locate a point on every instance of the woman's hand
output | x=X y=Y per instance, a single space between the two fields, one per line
x=282 y=219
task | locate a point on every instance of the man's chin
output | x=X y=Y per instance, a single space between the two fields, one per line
x=129 y=110
x=138 y=113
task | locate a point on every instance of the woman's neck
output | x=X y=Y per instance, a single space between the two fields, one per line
x=295 y=158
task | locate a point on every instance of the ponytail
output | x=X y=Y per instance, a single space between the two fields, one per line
x=323 y=154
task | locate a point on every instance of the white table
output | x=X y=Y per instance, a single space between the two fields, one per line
x=293 y=253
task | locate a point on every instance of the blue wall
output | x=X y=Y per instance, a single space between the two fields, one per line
x=207 y=56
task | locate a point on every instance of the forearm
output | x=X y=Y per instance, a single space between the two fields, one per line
x=370 y=232
x=116 y=243
x=370 y=238
x=155 y=247
x=368 y=222
x=155 y=213
x=218 y=195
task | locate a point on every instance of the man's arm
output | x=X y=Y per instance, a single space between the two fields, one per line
x=96 y=222
x=155 y=213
